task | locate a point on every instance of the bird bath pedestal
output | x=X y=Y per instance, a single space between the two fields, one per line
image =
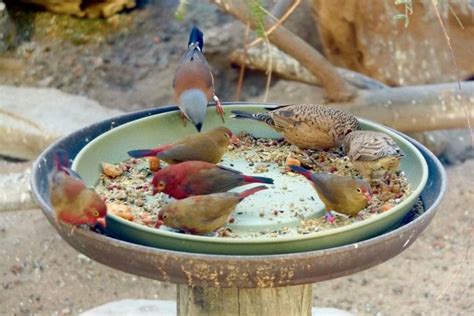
x=232 y=284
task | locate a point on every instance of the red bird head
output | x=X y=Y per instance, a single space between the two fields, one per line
x=164 y=180
x=364 y=188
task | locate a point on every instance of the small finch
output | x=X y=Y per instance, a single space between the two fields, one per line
x=197 y=178
x=345 y=195
x=202 y=214
x=207 y=146
x=72 y=201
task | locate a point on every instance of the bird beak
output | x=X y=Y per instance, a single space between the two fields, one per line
x=102 y=222
x=368 y=196
x=159 y=223
x=154 y=191
x=198 y=126
x=234 y=140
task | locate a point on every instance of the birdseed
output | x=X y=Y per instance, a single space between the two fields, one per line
x=128 y=188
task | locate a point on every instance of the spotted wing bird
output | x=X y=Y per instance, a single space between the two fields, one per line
x=193 y=82
x=308 y=126
x=373 y=154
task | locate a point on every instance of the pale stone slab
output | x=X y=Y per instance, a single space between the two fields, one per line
x=130 y=307
x=33 y=118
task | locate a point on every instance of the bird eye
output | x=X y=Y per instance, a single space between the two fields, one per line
x=165 y=216
x=359 y=190
x=161 y=185
x=95 y=213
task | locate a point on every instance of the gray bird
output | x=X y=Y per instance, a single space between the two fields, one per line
x=373 y=154
x=307 y=126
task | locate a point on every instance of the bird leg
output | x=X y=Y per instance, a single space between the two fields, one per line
x=219 y=107
x=329 y=217
x=183 y=118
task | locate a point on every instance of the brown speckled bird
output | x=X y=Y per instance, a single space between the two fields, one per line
x=373 y=154
x=202 y=214
x=207 y=146
x=193 y=82
x=345 y=195
x=307 y=126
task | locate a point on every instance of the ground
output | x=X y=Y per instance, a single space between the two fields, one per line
x=128 y=62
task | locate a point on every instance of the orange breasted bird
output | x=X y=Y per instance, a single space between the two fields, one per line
x=207 y=146
x=73 y=202
x=345 y=195
x=197 y=178
x=193 y=82
x=202 y=214
x=373 y=154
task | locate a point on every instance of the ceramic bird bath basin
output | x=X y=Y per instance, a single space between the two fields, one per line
x=213 y=282
x=254 y=221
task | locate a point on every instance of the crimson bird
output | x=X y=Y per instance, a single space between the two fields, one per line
x=197 y=178
x=202 y=214
x=72 y=201
x=193 y=83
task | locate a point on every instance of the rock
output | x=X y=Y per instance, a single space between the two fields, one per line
x=142 y=307
x=451 y=146
x=15 y=190
x=134 y=308
x=7 y=29
x=83 y=8
x=33 y=118
x=364 y=36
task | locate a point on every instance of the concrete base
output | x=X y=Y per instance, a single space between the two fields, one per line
x=131 y=307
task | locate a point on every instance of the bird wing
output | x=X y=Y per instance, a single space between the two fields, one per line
x=322 y=183
x=373 y=146
x=179 y=153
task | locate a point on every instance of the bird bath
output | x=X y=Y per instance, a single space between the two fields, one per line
x=236 y=284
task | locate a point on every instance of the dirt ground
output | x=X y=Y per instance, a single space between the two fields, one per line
x=128 y=62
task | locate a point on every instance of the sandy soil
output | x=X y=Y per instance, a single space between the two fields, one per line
x=128 y=63
x=41 y=274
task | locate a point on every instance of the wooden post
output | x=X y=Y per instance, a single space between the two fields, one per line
x=285 y=301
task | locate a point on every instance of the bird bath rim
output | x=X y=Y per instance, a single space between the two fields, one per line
x=138 y=233
x=184 y=267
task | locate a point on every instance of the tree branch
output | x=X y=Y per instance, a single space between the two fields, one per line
x=336 y=88
x=415 y=108
x=288 y=67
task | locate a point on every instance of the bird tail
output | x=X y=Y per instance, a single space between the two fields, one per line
x=250 y=179
x=251 y=191
x=139 y=153
x=196 y=36
x=301 y=170
x=61 y=160
x=63 y=163
x=262 y=117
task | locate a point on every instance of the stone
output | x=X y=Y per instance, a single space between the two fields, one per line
x=364 y=36
x=32 y=118
x=83 y=8
x=130 y=307
x=7 y=29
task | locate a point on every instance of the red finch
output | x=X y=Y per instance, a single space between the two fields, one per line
x=197 y=178
x=72 y=201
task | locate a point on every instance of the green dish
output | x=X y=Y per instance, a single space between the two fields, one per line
x=112 y=146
